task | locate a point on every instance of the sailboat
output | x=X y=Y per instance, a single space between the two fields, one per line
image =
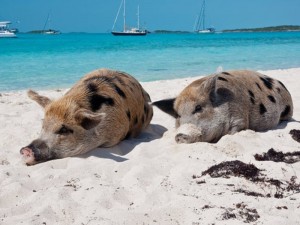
x=47 y=24
x=200 y=22
x=135 y=31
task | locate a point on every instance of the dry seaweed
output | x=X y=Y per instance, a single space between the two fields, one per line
x=247 y=215
x=293 y=186
x=252 y=173
x=272 y=155
x=250 y=193
x=233 y=168
x=295 y=134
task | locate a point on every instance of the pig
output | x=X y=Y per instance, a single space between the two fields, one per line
x=228 y=102
x=101 y=110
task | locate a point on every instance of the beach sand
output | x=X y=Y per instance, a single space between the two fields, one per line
x=150 y=179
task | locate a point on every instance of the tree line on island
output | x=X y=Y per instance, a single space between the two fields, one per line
x=283 y=28
x=261 y=29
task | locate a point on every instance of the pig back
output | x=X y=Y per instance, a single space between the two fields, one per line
x=120 y=96
x=258 y=99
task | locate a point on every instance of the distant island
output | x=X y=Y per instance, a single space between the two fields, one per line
x=267 y=29
x=50 y=31
x=36 y=32
x=170 y=32
x=282 y=28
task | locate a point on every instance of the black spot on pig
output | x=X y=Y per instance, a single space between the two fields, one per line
x=128 y=115
x=262 y=109
x=268 y=82
x=252 y=97
x=96 y=101
x=272 y=99
x=222 y=78
x=286 y=111
x=92 y=87
x=136 y=120
x=226 y=73
x=119 y=91
x=258 y=86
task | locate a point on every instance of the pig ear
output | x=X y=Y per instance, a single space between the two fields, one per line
x=88 y=119
x=166 y=105
x=210 y=84
x=217 y=95
x=41 y=100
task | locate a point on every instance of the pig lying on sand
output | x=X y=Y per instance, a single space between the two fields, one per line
x=102 y=109
x=228 y=102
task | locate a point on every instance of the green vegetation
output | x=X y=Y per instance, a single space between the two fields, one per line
x=36 y=32
x=170 y=32
x=42 y=31
x=261 y=29
x=267 y=29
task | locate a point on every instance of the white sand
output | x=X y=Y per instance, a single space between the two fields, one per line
x=148 y=180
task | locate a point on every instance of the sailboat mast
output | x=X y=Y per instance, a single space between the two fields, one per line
x=127 y=31
x=203 y=15
x=47 y=22
x=124 y=15
x=138 y=15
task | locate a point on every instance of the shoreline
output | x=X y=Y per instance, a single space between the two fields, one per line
x=149 y=179
x=62 y=89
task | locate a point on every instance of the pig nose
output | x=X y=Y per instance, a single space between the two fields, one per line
x=26 y=151
x=182 y=138
x=28 y=155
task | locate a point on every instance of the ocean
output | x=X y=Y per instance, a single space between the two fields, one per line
x=47 y=62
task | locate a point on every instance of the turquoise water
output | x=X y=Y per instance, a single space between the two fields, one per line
x=41 y=61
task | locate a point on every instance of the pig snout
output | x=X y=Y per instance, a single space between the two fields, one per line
x=36 y=152
x=188 y=133
x=182 y=138
x=28 y=155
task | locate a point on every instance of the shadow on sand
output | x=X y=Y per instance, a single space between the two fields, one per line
x=283 y=124
x=153 y=132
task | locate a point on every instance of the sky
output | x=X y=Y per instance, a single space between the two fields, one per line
x=98 y=16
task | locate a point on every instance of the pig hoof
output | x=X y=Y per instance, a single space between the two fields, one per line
x=182 y=138
x=28 y=155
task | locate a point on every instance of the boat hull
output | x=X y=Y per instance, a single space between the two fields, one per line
x=8 y=35
x=115 y=33
x=204 y=32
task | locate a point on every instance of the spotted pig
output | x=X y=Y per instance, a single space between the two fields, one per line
x=226 y=103
x=101 y=110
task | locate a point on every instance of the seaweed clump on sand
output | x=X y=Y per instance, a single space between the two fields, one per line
x=241 y=212
x=250 y=193
x=293 y=186
x=252 y=173
x=233 y=168
x=272 y=155
x=295 y=134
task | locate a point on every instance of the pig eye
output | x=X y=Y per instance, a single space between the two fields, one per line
x=64 y=130
x=198 y=109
